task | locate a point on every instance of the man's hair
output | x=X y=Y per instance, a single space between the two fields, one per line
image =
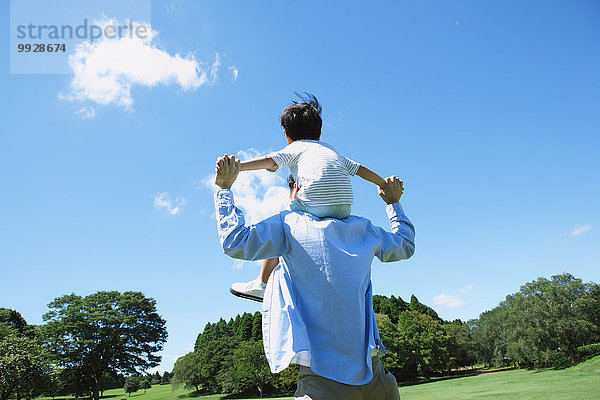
x=302 y=119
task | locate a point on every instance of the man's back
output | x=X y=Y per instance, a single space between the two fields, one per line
x=317 y=309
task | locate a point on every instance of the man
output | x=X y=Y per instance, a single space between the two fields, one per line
x=317 y=310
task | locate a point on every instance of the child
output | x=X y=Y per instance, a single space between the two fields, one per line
x=322 y=177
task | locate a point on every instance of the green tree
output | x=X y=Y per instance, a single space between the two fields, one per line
x=132 y=385
x=461 y=348
x=187 y=372
x=105 y=331
x=392 y=306
x=145 y=384
x=257 y=326
x=15 y=323
x=215 y=358
x=491 y=334
x=166 y=378
x=24 y=368
x=542 y=325
x=551 y=316
x=250 y=369
x=245 y=327
x=418 y=348
x=416 y=305
x=397 y=352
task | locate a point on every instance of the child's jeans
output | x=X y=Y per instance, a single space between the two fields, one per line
x=338 y=211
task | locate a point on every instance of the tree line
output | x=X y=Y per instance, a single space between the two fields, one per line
x=548 y=323
x=108 y=339
x=86 y=345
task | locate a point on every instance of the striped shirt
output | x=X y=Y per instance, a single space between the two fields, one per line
x=322 y=174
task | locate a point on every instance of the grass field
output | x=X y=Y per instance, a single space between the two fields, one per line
x=580 y=382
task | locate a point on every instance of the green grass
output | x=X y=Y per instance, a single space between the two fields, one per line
x=580 y=382
x=157 y=392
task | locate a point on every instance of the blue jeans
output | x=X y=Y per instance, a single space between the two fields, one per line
x=338 y=211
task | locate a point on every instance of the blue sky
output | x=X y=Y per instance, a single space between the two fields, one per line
x=487 y=110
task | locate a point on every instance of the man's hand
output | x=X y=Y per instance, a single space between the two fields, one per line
x=227 y=169
x=393 y=191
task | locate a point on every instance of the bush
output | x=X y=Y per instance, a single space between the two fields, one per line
x=589 y=350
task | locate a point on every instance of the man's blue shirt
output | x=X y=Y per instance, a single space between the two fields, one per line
x=318 y=302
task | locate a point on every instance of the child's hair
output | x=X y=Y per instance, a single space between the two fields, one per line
x=302 y=119
x=291 y=182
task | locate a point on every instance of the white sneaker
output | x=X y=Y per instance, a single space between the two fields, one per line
x=253 y=290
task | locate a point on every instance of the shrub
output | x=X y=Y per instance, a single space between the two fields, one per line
x=589 y=350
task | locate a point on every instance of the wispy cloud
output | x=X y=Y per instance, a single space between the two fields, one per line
x=172 y=206
x=467 y=289
x=86 y=112
x=448 y=300
x=104 y=71
x=580 y=230
x=214 y=69
x=234 y=72
x=452 y=300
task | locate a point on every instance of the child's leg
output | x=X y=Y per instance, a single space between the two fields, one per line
x=267 y=268
x=255 y=289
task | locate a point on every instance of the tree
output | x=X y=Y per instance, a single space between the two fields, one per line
x=250 y=369
x=397 y=353
x=145 y=384
x=166 y=378
x=156 y=378
x=551 y=317
x=542 y=325
x=187 y=372
x=491 y=334
x=416 y=345
x=461 y=349
x=132 y=385
x=257 y=326
x=12 y=321
x=24 y=368
x=105 y=331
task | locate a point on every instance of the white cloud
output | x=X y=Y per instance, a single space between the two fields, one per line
x=234 y=72
x=164 y=200
x=214 y=69
x=86 y=112
x=467 y=289
x=259 y=194
x=104 y=71
x=448 y=300
x=580 y=230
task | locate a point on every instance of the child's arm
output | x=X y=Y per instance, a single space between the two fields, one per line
x=257 y=163
x=370 y=176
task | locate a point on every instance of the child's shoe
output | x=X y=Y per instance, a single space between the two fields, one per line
x=253 y=290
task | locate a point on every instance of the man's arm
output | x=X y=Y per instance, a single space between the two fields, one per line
x=263 y=240
x=399 y=244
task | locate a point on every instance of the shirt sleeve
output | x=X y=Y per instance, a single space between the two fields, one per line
x=283 y=158
x=351 y=166
x=266 y=239
x=399 y=244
